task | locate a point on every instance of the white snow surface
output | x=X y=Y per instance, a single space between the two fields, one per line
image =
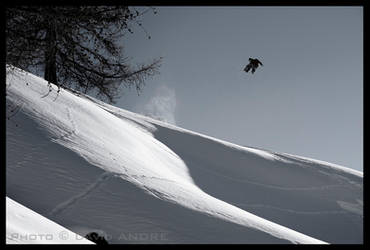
x=24 y=226
x=90 y=166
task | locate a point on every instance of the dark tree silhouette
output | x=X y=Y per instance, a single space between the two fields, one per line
x=76 y=46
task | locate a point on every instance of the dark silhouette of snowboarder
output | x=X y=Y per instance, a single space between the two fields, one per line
x=253 y=64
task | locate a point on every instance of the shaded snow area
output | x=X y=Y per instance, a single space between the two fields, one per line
x=90 y=166
x=24 y=226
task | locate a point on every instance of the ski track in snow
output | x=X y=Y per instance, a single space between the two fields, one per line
x=314 y=188
x=70 y=202
x=73 y=131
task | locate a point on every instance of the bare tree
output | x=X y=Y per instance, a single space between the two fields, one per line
x=76 y=46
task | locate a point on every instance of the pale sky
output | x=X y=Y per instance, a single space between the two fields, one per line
x=306 y=100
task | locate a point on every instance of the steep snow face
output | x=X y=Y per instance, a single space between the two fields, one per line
x=24 y=226
x=90 y=166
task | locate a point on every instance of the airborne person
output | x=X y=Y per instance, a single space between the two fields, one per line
x=253 y=64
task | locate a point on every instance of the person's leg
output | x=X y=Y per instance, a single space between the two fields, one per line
x=247 y=68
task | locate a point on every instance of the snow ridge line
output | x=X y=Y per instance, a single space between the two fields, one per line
x=290 y=210
x=71 y=201
x=322 y=164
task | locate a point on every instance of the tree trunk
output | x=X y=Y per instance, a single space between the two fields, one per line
x=50 y=55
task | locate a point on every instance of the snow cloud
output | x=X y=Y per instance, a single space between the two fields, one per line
x=162 y=105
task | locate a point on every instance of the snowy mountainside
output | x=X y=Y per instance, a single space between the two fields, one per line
x=90 y=166
x=24 y=226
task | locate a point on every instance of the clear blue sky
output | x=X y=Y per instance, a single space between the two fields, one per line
x=307 y=99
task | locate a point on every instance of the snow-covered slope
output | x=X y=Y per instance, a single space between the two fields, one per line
x=90 y=166
x=24 y=226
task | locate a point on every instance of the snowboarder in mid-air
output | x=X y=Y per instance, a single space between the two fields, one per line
x=253 y=64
